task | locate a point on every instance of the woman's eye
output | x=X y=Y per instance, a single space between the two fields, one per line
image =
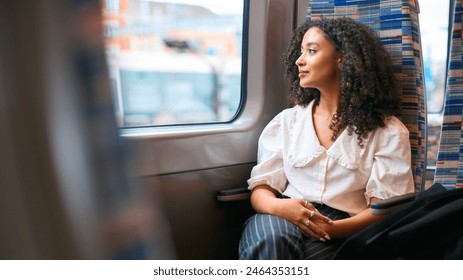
x=309 y=51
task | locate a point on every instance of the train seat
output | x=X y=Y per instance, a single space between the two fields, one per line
x=449 y=166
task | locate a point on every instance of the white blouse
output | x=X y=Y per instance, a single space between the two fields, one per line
x=291 y=160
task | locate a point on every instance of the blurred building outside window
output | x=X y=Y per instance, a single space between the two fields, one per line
x=174 y=61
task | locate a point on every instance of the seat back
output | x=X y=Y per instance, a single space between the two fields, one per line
x=449 y=166
x=396 y=23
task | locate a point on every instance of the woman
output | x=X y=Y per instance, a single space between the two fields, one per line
x=341 y=147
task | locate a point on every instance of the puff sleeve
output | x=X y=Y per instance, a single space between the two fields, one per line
x=270 y=169
x=391 y=173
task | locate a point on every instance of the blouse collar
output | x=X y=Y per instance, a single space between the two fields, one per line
x=305 y=146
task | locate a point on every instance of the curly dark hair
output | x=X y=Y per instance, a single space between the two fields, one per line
x=368 y=90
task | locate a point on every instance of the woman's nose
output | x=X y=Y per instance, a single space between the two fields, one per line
x=299 y=61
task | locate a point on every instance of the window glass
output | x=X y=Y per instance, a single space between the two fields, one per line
x=434 y=19
x=174 y=61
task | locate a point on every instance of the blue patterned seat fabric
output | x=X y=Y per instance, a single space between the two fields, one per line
x=449 y=167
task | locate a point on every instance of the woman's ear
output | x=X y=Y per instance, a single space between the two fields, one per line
x=340 y=59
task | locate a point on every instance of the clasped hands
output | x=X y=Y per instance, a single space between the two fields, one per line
x=305 y=216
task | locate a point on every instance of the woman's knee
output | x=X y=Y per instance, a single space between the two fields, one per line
x=270 y=237
x=269 y=227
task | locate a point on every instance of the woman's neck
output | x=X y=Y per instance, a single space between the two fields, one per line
x=329 y=99
x=327 y=106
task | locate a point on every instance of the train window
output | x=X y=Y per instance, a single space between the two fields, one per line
x=174 y=61
x=434 y=20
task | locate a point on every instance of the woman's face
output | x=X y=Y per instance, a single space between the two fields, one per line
x=318 y=63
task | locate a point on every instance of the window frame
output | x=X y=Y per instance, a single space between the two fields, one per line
x=242 y=118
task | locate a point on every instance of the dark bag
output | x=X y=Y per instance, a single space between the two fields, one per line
x=430 y=227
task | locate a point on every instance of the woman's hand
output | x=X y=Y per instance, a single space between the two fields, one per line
x=344 y=228
x=304 y=215
x=297 y=211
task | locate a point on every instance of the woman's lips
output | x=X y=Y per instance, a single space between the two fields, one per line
x=302 y=74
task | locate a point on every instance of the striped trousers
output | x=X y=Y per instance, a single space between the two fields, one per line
x=267 y=237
